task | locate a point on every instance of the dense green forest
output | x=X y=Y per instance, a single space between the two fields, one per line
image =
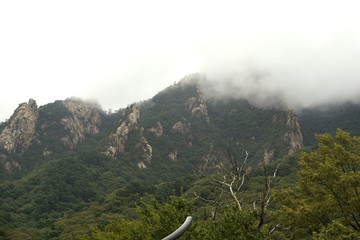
x=240 y=171
x=65 y=201
x=322 y=204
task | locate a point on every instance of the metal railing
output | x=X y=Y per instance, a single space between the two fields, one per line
x=178 y=232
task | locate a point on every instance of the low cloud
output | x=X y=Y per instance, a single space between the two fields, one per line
x=319 y=72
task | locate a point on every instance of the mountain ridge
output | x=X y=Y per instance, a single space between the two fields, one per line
x=80 y=158
x=67 y=123
x=60 y=126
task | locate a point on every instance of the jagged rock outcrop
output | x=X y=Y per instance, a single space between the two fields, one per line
x=9 y=164
x=157 y=131
x=21 y=128
x=46 y=152
x=117 y=140
x=141 y=165
x=128 y=122
x=85 y=119
x=211 y=160
x=197 y=106
x=144 y=147
x=268 y=156
x=173 y=155
x=183 y=127
x=293 y=135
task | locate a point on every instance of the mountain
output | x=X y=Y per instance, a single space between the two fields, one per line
x=177 y=126
x=35 y=135
x=69 y=158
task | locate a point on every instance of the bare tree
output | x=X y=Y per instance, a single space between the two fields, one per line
x=231 y=181
x=265 y=198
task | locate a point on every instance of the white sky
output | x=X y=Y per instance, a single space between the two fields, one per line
x=119 y=52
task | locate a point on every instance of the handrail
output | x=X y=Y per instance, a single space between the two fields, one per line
x=178 y=232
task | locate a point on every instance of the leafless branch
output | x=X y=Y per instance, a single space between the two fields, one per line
x=217 y=203
x=231 y=182
x=265 y=196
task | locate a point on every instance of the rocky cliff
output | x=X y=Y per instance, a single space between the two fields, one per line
x=157 y=131
x=293 y=136
x=129 y=123
x=21 y=128
x=144 y=147
x=69 y=121
x=197 y=106
x=85 y=120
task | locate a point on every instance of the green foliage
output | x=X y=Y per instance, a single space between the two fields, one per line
x=156 y=222
x=159 y=220
x=251 y=128
x=234 y=224
x=49 y=118
x=336 y=230
x=326 y=196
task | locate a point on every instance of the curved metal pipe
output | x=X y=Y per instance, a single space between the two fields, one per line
x=178 y=232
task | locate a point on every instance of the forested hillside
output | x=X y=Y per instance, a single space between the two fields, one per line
x=69 y=165
x=327 y=118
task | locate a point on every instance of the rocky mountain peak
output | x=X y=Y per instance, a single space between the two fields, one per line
x=193 y=79
x=32 y=104
x=20 y=129
x=131 y=113
x=85 y=119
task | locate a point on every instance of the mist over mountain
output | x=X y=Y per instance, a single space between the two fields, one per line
x=69 y=159
x=296 y=86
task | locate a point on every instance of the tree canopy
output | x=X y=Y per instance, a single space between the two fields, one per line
x=325 y=202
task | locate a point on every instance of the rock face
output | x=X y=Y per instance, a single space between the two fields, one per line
x=183 y=127
x=210 y=161
x=293 y=135
x=84 y=120
x=21 y=129
x=144 y=147
x=128 y=122
x=117 y=140
x=268 y=156
x=157 y=131
x=197 y=106
x=9 y=164
x=173 y=155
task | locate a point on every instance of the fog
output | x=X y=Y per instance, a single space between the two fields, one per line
x=296 y=53
x=297 y=77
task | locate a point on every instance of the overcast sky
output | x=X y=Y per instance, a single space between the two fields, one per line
x=119 y=52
